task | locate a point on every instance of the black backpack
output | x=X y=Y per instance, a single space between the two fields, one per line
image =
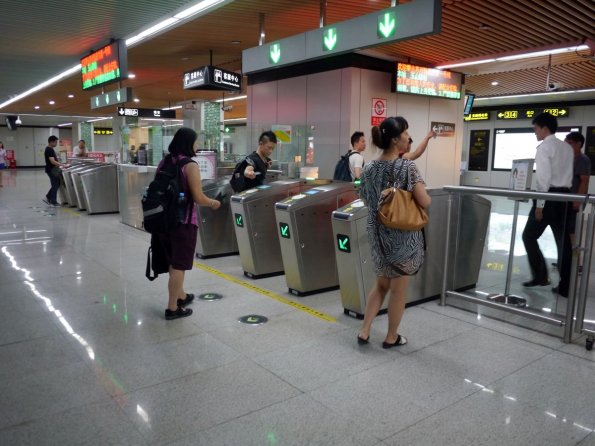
x=163 y=210
x=238 y=180
x=342 y=171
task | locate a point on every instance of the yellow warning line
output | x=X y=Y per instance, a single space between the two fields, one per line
x=277 y=297
x=70 y=211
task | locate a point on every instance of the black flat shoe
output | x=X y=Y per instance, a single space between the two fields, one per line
x=362 y=341
x=401 y=340
x=177 y=313
x=532 y=283
x=184 y=302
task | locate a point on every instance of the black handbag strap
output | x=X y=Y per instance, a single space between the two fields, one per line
x=396 y=182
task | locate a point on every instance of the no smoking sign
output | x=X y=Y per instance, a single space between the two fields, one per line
x=378 y=110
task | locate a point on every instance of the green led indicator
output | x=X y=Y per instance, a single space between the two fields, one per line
x=284 y=228
x=114 y=308
x=343 y=243
x=97 y=101
x=387 y=25
x=125 y=318
x=239 y=220
x=118 y=96
x=107 y=98
x=275 y=53
x=330 y=39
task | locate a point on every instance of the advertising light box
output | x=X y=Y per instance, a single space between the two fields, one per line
x=106 y=65
x=424 y=81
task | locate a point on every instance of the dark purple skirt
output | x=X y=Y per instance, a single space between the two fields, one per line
x=180 y=246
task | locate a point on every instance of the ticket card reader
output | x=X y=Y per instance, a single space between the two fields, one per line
x=216 y=236
x=305 y=234
x=253 y=212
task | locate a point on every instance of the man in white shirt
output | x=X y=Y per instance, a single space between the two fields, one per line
x=553 y=172
x=356 y=159
x=81 y=150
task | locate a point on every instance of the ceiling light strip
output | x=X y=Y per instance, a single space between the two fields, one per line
x=535 y=94
x=234 y=98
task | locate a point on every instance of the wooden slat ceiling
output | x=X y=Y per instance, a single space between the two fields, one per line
x=471 y=29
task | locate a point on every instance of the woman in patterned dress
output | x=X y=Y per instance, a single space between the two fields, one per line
x=397 y=254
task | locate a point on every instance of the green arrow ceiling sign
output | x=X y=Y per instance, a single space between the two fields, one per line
x=387 y=25
x=409 y=20
x=275 y=53
x=330 y=39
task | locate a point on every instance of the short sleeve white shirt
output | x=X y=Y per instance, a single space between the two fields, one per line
x=356 y=159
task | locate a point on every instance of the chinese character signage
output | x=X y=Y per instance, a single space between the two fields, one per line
x=427 y=81
x=146 y=113
x=212 y=78
x=207 y=163
x=106 y=65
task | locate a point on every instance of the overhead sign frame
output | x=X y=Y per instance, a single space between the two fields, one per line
x=120 y=96
x=210 y=77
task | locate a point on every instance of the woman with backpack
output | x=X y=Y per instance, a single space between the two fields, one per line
x=179 y=244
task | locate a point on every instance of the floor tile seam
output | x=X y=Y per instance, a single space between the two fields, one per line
x=587 y=361
x=452 y=317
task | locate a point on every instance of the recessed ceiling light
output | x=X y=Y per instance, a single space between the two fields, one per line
x=185 y=58
x=136 y=100
x=494 y=83
x=131 y=75
x=484 y=27
x=236 y=42
x=52 y=102
x=36 y=107
x=71 y=96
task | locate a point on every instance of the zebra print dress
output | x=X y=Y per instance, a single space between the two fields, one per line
x=395 y=253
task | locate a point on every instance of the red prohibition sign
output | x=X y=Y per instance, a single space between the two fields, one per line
x=379 y=108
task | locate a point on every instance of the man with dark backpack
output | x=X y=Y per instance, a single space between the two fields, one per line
x=252 y=170
x=349 y=167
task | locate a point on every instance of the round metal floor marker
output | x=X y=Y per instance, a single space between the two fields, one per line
x=210 y=296
x=253 y=319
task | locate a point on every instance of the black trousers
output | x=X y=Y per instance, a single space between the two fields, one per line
x=554 y=215
x=52 y=194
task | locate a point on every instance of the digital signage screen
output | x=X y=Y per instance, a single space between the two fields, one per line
x=424 y=81
x=520 y=143
x=469 y=99
x=106 y=65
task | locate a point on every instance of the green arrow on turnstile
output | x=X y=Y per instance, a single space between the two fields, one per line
x=284 y=228
x=343 y=243
x=239 y=220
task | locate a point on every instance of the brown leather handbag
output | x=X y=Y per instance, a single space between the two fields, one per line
x=398 y=209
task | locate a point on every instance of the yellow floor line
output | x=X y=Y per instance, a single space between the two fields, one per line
x=277 y=297
x=70 y=211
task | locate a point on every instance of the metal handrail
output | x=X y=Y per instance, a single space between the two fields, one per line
x=520 y=194
x=577 y=294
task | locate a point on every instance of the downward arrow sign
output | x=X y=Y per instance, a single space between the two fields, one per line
x=275 y=52
x=386 y=25
x=330 y=39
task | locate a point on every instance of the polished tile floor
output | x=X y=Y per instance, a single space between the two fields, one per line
x=87 y=358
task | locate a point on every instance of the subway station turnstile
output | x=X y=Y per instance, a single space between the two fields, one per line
x=70 y=194
x=354 y=260
x=216 y=234
x=253 y=213
x=100 y=189
x=304 y=228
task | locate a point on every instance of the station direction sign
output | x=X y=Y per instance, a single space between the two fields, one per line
x=210 y=77
x=480 y=116
x=146 y=113
x=530 y=113
x=120 y=96
x=414 y=19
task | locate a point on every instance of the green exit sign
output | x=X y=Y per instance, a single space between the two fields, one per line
x=387 y=25
x=329 y=39
x=275 y=53
x=343 y=243
x=239 y=220
x=284 y=230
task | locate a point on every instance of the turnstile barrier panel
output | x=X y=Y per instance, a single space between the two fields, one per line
x=100 y=187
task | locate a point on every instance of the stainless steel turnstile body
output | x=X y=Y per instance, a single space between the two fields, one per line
x=78 y=185
x=354 y=261
x=100 y=189
x=253 y=213
x=216 y=235
x=69 y=185
x=304 y=228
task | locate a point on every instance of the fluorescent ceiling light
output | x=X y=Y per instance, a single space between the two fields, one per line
x=518 y=56
x=234 y=119
x=535 y=94
x=47 y=83
x=175 y=107
x=234 y=98
x=150 y=31
x=161 y=119
x=65 y=124
x=98 y=119
x=465 y=64
x=200 y=6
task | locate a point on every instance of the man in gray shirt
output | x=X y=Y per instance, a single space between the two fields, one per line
x=580 y=178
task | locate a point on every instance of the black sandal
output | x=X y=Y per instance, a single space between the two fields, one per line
x=362 y=341
x=401 y=340
x=177 y=313
x=184 y=302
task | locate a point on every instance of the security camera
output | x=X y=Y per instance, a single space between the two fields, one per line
x=226 y=108
x=554 y=86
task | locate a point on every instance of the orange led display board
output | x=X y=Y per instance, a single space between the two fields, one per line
x=106 y=65
x=424 y=81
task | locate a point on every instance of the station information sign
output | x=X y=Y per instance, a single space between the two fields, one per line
x=424 y=81
x=103 y=131
x=530 y=113
x=106 y=65
x=108 y=98
x=210 y=77
x=146 y=113
x=481 y=116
